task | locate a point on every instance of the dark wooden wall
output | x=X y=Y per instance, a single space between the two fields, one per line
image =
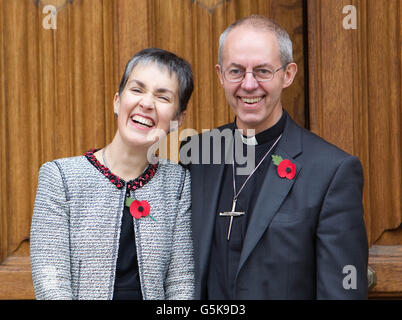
x=355 y=102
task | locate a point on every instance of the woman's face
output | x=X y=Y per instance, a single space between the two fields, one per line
x=148 y=103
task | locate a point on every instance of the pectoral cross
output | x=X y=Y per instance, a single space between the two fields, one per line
x=231 y=214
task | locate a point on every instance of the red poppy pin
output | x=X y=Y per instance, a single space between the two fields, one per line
x=285 y=168
x=139 y=209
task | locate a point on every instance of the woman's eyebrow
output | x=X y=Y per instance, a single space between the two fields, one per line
x=142 y=85
x=164 y=90
x=138 y=82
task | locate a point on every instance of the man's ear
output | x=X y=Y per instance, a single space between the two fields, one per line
x=219 y=72
x=116 y=103
x=290 y=73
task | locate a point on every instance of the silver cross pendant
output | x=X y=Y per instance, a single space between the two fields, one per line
x=231 y=214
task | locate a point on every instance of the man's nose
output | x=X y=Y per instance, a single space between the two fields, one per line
x=249 y=82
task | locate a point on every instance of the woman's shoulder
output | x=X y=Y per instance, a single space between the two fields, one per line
x=169 y=167
x=173 y=173
x=64 y=164
x=68 y=161
x=176 y=176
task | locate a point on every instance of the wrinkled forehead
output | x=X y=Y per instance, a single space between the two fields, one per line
x=155 y=75
x=246 y=45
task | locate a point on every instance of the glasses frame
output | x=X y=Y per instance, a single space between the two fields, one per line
x=244 y=75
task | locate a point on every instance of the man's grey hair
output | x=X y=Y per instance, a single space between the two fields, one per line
x=260 y=22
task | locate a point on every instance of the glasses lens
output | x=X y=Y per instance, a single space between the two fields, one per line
x=234 y=74
x=263 y=74
x=237 y=75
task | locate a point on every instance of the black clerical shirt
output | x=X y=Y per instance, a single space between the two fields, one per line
x=225 y=254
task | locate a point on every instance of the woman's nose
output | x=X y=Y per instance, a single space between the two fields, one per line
x=147 y=102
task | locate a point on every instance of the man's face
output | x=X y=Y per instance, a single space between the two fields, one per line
x=257 y=105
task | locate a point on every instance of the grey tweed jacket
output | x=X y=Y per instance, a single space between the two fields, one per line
x=75 y=233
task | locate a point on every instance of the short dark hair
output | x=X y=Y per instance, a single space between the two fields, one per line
x=169 y=60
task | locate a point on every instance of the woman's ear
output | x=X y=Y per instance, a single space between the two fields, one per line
x=177 y=122
x=116 y=104
x=181 y=117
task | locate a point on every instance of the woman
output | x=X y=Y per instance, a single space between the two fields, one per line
x=110 y=224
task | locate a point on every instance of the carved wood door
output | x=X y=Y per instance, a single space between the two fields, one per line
x=355 y=71
x=60 y=69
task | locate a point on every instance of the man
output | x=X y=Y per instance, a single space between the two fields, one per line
x=291 y=228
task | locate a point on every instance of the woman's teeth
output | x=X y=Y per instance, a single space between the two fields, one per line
x=144 y=121
x=251 y=100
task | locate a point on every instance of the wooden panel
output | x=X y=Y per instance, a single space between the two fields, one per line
x=87 y=76
x=53 y=104
x=57 y=87
x=15 y=275
x=19 y=135
x=3 y=139
x=355 y=103
x=386 y=261
x=355 y=99
x=384 y=116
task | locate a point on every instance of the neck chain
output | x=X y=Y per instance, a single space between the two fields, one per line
x=235 y=195
x=233 y=212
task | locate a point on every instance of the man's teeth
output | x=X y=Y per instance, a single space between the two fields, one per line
x=251 y=100
x=144 y=121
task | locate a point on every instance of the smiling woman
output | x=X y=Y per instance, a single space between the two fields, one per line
x=107 y=225
x=146 y=105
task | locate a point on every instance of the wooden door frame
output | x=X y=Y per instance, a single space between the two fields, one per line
x=340 y=68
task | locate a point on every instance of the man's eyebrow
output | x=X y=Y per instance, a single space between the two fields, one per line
x=233 y=64
x=236 y=65
x=264 y=65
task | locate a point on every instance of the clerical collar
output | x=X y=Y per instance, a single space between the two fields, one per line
x=266 y=135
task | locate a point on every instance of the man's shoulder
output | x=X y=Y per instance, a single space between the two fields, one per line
x=316 y=150
x=322 y=154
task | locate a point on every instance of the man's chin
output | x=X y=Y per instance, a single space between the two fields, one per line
x=248 y=121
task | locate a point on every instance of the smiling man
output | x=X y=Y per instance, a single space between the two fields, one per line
x=291 y=227
x=253 y=76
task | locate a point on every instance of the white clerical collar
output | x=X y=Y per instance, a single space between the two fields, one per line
x=250 y=141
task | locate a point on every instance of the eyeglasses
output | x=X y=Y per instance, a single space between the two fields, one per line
x=233 y=74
